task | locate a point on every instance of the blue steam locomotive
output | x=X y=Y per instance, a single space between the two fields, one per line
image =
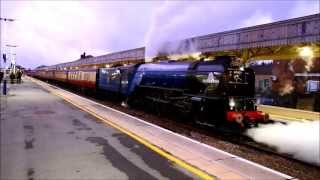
x=212 y=92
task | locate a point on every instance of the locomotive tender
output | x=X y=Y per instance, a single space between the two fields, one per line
x=213 y=92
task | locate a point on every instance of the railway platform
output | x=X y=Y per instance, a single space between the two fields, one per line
x=50 y=133
x=289 y=114
x=44 y=137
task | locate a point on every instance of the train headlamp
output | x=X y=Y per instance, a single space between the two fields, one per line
x=232 y=103
x=258 y=100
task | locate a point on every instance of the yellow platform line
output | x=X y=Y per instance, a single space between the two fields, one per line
x=202 y=174
x=289 y=119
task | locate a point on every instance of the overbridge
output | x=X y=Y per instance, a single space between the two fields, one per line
x=278 y=40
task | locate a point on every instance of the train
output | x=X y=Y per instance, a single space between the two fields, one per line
x=215 y=93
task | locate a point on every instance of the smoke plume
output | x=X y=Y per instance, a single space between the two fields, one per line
x=299 y=139
x=285 y=71
x=287 y=88
x=309 y=62
x=169 y=26
x=175 y=21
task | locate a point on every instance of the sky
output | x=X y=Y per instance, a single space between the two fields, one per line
x=51 y=32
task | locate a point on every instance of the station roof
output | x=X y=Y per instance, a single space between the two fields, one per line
x=127 y=55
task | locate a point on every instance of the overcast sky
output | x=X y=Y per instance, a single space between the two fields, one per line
x=51 y=32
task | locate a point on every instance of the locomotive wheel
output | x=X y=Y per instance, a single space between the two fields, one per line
x=196 y=117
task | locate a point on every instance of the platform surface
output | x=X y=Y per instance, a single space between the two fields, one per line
x=289 y=114
x=45 y=137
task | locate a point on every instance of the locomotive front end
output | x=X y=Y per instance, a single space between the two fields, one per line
x=243 y=112
x=241 y=104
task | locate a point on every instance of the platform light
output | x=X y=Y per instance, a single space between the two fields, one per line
x=306 y=52
x=148 y=59
x=107 y=65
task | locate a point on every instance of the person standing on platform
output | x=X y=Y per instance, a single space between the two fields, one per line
x=1 y=76
x=19 y=74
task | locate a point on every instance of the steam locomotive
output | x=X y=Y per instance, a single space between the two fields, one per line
x=216 y=92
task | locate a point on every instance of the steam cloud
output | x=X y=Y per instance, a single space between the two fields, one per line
x=287 y=88
x=175 y=21
x=309 y=62
x=285 y=73
x=163 y=37
x=299 y=139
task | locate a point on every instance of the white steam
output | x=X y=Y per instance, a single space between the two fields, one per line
x=164 y=34
x=258 y=18
x=286 y=89
x=299 y=139
x=309 y=62
x=175 y=21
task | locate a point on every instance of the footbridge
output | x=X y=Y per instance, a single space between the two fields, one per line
x=278 y=40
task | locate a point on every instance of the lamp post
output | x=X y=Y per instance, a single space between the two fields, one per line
x=4 y=29
x=4 y=56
